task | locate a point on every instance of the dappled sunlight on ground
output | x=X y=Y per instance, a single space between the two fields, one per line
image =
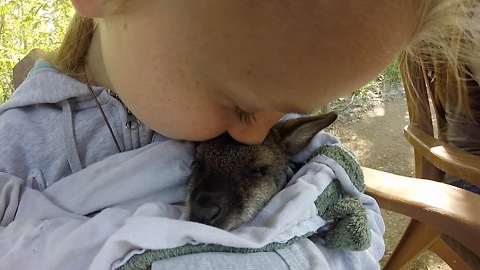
x=377 y=140
x=351 y=140
x=380 y=111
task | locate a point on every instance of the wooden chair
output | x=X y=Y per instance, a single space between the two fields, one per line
x=21 y=69
x=436 y=209
x=445 y=219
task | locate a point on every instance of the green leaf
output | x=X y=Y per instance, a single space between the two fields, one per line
x=24 y=26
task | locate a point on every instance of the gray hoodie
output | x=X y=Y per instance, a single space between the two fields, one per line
x=69 y=201
x=54 y=128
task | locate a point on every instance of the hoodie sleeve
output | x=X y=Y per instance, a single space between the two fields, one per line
x=9 y=197
x=16 y=198
x=66 y=225
x=30 y=243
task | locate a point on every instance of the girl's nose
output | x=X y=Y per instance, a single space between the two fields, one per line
x=255 y=131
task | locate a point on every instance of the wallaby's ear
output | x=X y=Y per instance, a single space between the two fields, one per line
x=295 y=134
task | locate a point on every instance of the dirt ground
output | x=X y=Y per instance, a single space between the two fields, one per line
x=375 y=137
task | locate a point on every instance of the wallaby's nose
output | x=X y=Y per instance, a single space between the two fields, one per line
x=205 y=210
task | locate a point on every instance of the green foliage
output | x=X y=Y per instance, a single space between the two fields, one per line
x=389 y=78
x=26 y=25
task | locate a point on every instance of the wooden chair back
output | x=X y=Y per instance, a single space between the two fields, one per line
x=433 y=158
x=21 y=69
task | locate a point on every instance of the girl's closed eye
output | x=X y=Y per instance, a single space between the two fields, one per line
x=244 y=116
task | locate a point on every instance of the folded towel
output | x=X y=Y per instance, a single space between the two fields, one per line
x=321 y=198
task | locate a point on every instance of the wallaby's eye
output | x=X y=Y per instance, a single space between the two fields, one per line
x=259 y=172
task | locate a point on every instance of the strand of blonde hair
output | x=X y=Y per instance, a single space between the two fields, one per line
x=70 y=57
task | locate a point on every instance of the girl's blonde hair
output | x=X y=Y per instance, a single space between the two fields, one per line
x=70 y=57
x=447 y=48
x=451 y=31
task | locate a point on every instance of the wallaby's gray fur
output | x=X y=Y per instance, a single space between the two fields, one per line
x=231 y=181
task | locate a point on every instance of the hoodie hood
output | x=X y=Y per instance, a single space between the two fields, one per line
x=45 y=84
x=55 y=127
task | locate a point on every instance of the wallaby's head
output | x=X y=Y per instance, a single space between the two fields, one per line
x=232 y=181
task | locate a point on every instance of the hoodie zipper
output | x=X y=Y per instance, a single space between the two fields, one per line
x=132 y=122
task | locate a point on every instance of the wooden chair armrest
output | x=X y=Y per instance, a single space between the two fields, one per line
x=21 y=69
x=444 y=156
x=452 y=210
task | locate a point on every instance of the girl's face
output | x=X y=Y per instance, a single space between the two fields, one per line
x=195 y=69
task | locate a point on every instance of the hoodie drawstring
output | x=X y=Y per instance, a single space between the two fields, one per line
x=69 y=138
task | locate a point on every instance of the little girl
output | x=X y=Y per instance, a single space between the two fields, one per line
x=94 y=137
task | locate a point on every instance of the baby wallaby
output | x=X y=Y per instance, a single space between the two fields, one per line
x=231 y=182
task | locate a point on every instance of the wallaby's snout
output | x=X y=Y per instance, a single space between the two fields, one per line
x=231 y=181
x=207 y=207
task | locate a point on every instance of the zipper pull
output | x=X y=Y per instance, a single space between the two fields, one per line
x=132 y=122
